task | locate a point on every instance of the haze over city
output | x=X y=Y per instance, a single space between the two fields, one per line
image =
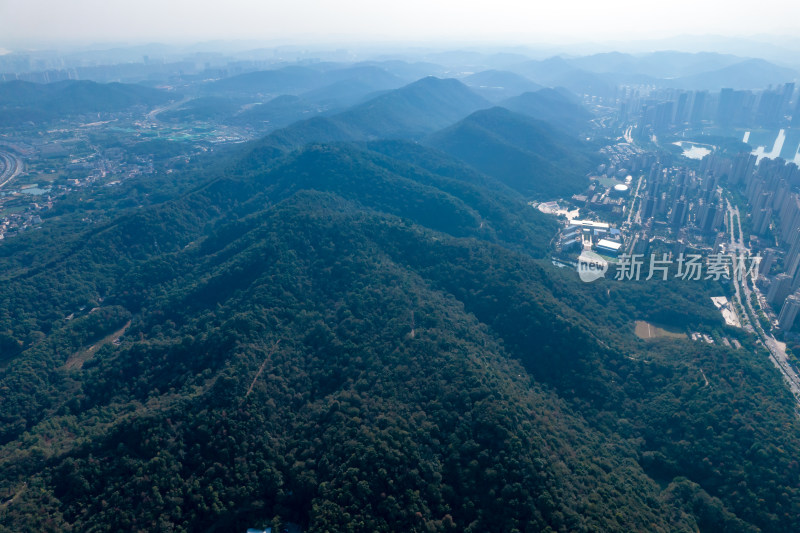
x=32 y=22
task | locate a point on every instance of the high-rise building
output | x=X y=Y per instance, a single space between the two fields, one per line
x=682 y=109
x=710 y=188
x=648 y=207
x=762 y=201
x=788 y=92
x=761 y=220
x=769 y=110
x=663 y=117
x=719 y=217
x=743 y=166
x=679 y=211
x=767 y=260
x=698 y=107
x=792 y=260
x=779 y=289
x=796 y=113
x=734 y=107
x=661 y=204
x=790 y=219
x=781 y=192
x=703 y=215
x=789 y=312
x=725 y=107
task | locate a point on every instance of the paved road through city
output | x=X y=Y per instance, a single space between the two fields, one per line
x=777 y=354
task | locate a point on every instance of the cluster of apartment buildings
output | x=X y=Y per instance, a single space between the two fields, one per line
x=662 y=110
x=774 y=216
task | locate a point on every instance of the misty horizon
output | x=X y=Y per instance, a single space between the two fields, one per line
x=508 y=23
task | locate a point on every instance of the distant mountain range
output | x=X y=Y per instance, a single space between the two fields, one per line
x=536 y=158
x=296 y=80
x=658 y=65
x=598 y=74
x=410 y=112
x=22 y=101
x=496 y=85
x=559 y=72
x=258 y=100
x=749 y=74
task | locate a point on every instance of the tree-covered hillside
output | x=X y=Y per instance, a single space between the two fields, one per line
x=366 y=338
x=534 y=157
x=22 y=101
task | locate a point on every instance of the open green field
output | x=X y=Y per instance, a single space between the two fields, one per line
x=646 y=330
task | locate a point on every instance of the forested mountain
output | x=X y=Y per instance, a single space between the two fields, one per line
x=207 y=108
x=530 y=156
x=747 y=74
x=369 y=336
x=22 y=101
x=496 y=85
x=345 y=93
x=598 y=73
x=277 y=113
x=286 y=80
x=297 y=80
x=410 y=112
x=416 y=109
x=268 y=100
x=560 y=72
x=555 y=106
x=664 y=64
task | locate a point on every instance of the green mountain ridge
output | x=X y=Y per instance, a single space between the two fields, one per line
x=407 y=113
x=296 y=80
x=530 y=156
x=22 y=101
x=495 y=85
x=369 y=337
x=553 y=106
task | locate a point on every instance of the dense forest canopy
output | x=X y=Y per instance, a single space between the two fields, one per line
x=362 y=332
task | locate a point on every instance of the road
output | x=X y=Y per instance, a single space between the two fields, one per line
x=628 y=135
x=152 y=116
x=633 y=201
x=737 y=248
x=12 y=167
x=777 y=354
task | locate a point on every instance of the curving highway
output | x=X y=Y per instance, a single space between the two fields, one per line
x=11 y=166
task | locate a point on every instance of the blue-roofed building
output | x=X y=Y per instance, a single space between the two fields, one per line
x=572 y=244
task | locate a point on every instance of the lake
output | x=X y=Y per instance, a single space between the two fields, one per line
x=694 y=150
x=784 y=143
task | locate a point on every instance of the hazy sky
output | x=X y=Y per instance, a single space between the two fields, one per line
x=506 y=21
